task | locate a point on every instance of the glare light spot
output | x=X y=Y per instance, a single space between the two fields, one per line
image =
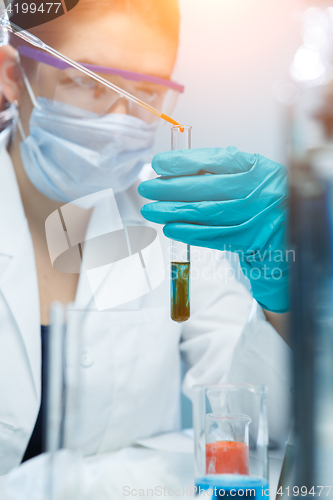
x=315 y=17
x=315 y=37
x=307 y=65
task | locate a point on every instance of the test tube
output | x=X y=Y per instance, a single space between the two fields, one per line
x=180 y=252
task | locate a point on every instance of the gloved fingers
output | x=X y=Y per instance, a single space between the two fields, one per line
x=265 y=175
x=216 y=237
x=196 y=188
x=205 y=160
x=208 y=213
x=251 y=236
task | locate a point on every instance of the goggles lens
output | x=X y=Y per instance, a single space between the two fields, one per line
x=71 y=86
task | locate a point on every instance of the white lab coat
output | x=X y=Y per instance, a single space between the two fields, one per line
x=131 y=367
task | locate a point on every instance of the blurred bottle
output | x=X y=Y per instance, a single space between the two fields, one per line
x=310 y=132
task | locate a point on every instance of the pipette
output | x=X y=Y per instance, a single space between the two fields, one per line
x=34 y=40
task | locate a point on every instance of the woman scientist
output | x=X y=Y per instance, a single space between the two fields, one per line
x=74 y=139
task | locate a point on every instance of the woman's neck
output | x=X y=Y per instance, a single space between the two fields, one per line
x=53 y=285
x=36 y=206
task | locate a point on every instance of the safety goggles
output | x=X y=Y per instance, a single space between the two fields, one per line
x=57 y=81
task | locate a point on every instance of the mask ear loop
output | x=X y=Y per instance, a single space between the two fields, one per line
x=31 y=95
x=18 y=121
x=28 y=87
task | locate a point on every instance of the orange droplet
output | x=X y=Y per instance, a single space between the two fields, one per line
x=171 y=120
x=168 y=119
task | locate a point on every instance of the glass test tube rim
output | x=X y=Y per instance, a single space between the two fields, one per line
x=178 y=127
x=229 y=416
x=253 y=388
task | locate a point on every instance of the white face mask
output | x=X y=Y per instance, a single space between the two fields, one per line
x=71 y=153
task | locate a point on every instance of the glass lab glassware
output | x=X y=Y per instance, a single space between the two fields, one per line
x=63 y=431
x=64 y=380
x=310 y=140
x=231 y=440
x=180 y=252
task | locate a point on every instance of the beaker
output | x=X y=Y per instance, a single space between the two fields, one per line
x=227 y=443
x=231 y=440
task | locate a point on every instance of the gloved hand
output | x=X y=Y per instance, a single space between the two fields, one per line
x=240 y=205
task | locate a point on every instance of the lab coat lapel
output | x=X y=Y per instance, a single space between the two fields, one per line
x=19 y=287
x=18 y=276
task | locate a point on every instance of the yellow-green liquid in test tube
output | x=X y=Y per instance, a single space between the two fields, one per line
x=180 y=252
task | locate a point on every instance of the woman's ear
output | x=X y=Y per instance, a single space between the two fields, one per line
x=11 y=81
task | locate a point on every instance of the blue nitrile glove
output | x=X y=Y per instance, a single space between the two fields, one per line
x=240 y=205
